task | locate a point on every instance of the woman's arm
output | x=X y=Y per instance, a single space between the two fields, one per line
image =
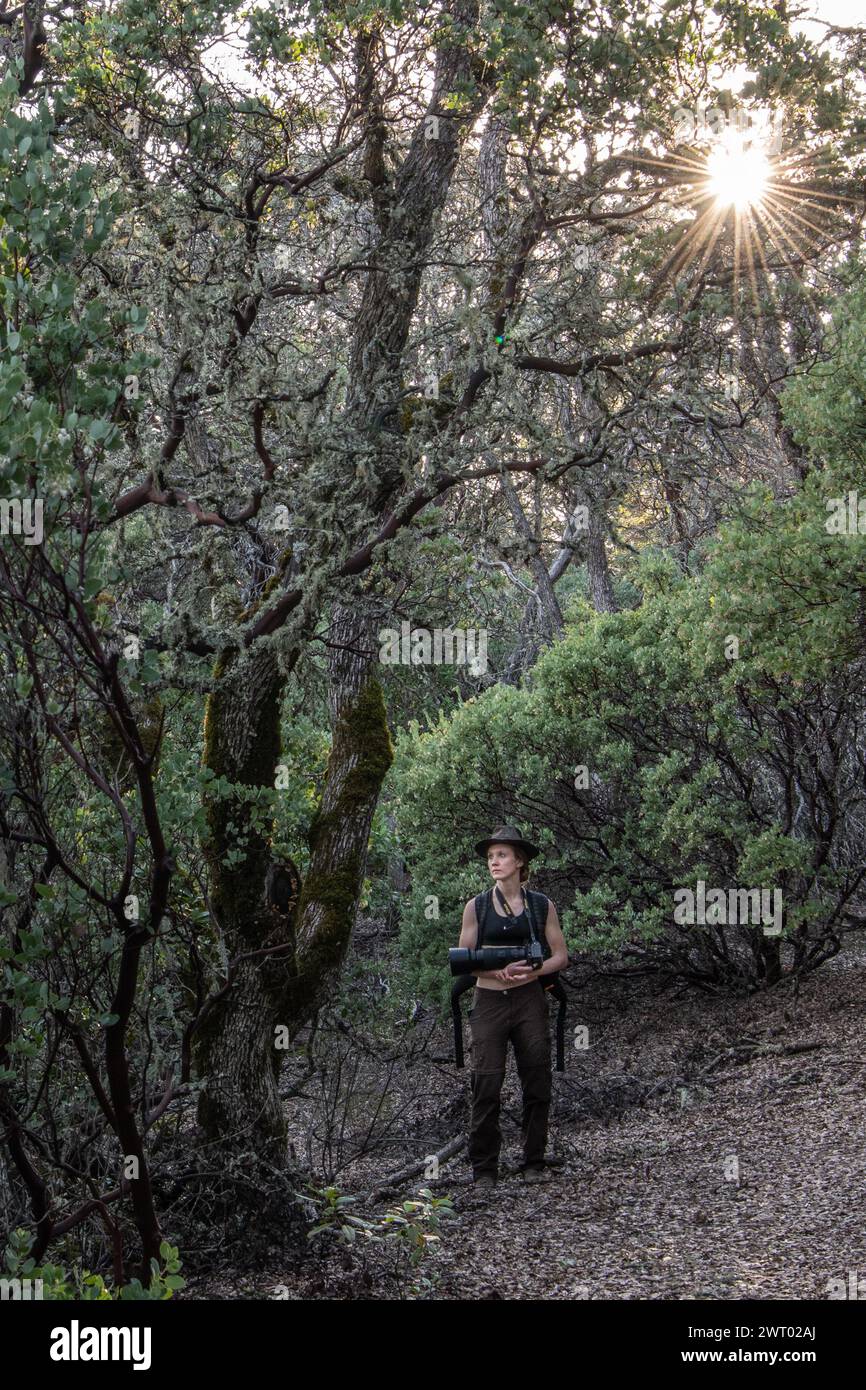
x=469 y=927
x=469 y=937
x=558 y=958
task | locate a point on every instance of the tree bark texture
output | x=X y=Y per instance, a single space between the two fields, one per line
x=234 y=1050
x=361 y=754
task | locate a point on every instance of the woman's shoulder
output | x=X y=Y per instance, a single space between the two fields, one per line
x=470 y=902
x=543 y=900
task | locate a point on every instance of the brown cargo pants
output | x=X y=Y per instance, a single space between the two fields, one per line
x=497 y=1016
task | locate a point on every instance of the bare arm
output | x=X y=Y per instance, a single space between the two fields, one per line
x=558 y=958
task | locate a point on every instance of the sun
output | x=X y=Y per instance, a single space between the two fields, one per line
x=737 y=176
x=752 y=207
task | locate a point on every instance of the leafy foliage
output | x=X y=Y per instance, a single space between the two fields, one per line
x=78 y=1285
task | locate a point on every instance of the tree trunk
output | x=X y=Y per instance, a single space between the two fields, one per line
x=235 y=1053
x=361 y=754
x=595 y=494
x=548 y=612
x=282 y=965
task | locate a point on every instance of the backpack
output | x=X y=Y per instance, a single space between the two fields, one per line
x=536 y=906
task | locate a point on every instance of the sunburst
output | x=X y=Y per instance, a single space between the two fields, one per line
x=737 y=175
x=749 y=201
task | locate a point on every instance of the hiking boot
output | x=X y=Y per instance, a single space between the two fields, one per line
x=485 y=1182
x=535 y=1173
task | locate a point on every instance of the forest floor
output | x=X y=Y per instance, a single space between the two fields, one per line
x=708 y=1149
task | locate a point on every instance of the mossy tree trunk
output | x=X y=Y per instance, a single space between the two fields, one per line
x=361 y=754
x=282 y=965
x=234 y=1044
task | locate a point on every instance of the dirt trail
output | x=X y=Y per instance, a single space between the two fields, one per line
x=746 y=1182
x=710 y=1150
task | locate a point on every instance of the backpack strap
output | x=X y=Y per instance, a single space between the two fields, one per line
x=558 y=992
x=534 y=903
x=465 y=982
x=533 y=906
x=482 y=907
x=460 y=986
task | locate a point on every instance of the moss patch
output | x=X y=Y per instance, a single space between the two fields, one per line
x=362 y=729
x=362 y=732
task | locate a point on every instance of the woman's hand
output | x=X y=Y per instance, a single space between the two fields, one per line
x=516 y=973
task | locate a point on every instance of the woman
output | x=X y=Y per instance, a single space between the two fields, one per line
x=510 y=1004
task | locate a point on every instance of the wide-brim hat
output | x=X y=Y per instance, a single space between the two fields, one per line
x=507 y=835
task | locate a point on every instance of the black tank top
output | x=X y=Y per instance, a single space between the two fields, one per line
x=506 y=931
